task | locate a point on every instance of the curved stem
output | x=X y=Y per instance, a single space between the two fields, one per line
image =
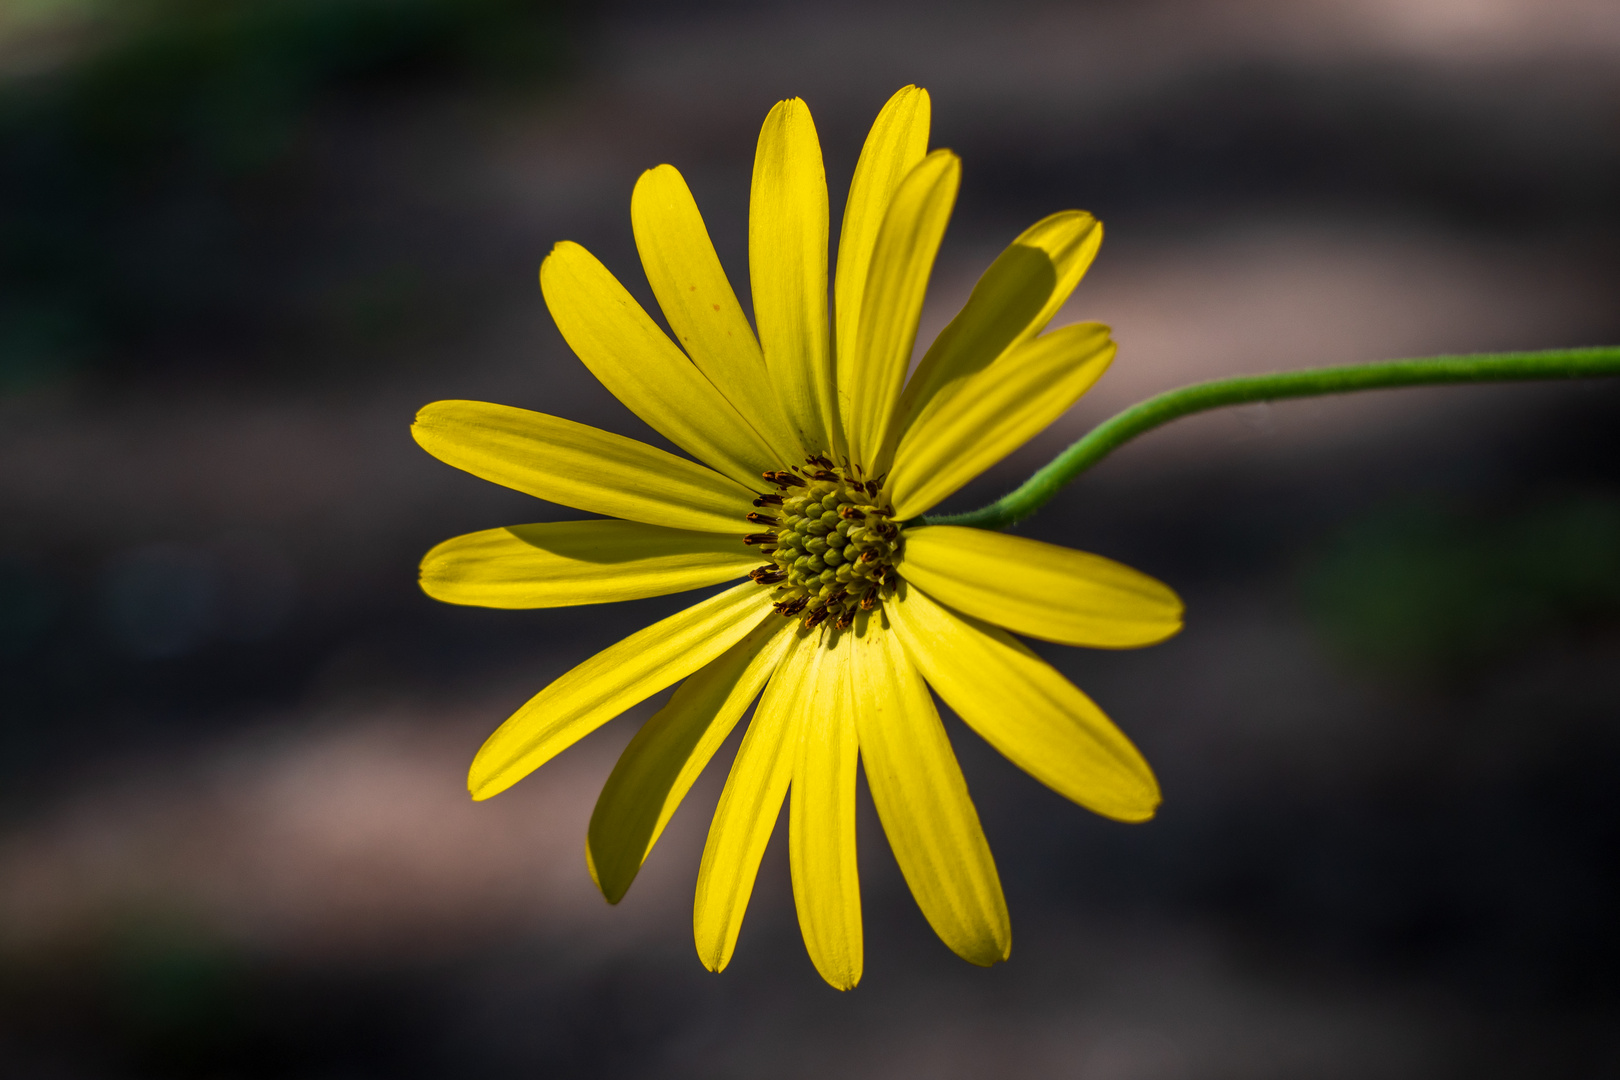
x=1119 y=429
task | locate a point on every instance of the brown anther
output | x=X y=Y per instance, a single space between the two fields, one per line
x=769 y=499
x=759 y=538
x=869 y=601
x=813 y=620
x=837 y=596
x=867 y=556
x=761 y=519
x=824 y=474
x=848 y=511
x=818 y=459
x=783 y=480
x=845 y=621
x=767 y=575
x=790 y=608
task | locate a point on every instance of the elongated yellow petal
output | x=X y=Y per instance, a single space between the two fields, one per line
x=998 y=410
x=1042 y=590
x=787 y=267
x=564 y=563
x=821 y=827
x=580 y=466
x=897 y=142
x=1012 y=302
x=1025 y=709
x=702 y=309
x=751 y=803
x=667 y=755
x=638 y=363
x=610 y=682
x=896 y=282
x=922 y=800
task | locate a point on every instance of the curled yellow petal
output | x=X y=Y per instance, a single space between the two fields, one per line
x=638 y=363
x=670 y=751
x=787 y=267
x=1025 y=709
x=1042 y=590
x=751 y=803
x=1012 y=302
x=580 y=466
x=896 y=283
x=703 y=312
x=998 y=410
x=616 y=678
x=922 y=800
x=564 y=563
x=821 y=826
x=897 y=142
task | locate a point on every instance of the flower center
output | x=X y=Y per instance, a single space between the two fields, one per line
x=830 y=539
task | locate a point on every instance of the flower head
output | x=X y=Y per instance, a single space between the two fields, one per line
x=816 y=451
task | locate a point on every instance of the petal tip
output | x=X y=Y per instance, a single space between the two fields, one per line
x=987 y=960
x=793 y=111
x=485 y=783
x=910 y=95
x=1156 y=635
x=986 y=951
x=612 y=891
x=427 y=584
x=1137 y=813
x=426 y=413
x=712 y=962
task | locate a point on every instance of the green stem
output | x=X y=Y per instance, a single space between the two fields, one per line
x=1119 y=429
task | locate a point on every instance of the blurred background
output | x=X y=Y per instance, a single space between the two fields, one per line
x=242 y=240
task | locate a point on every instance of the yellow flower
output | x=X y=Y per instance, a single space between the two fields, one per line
x=817 y=451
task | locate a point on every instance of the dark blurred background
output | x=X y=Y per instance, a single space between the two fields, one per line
x=242 y=240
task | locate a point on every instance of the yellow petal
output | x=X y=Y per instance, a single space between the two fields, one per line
x=1025 y=709
x=702 y=309
x=1012 y=302
x=580 y=466
x=751 y=803
x=922 y=800
x=787 y=267
x=998 y=410
x=563 y=563
x=610 y=682
x=1042 y=590
x=897 y=280
x=821 y=826
x=665 y=758
x=638 y=363
x=897 y=142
